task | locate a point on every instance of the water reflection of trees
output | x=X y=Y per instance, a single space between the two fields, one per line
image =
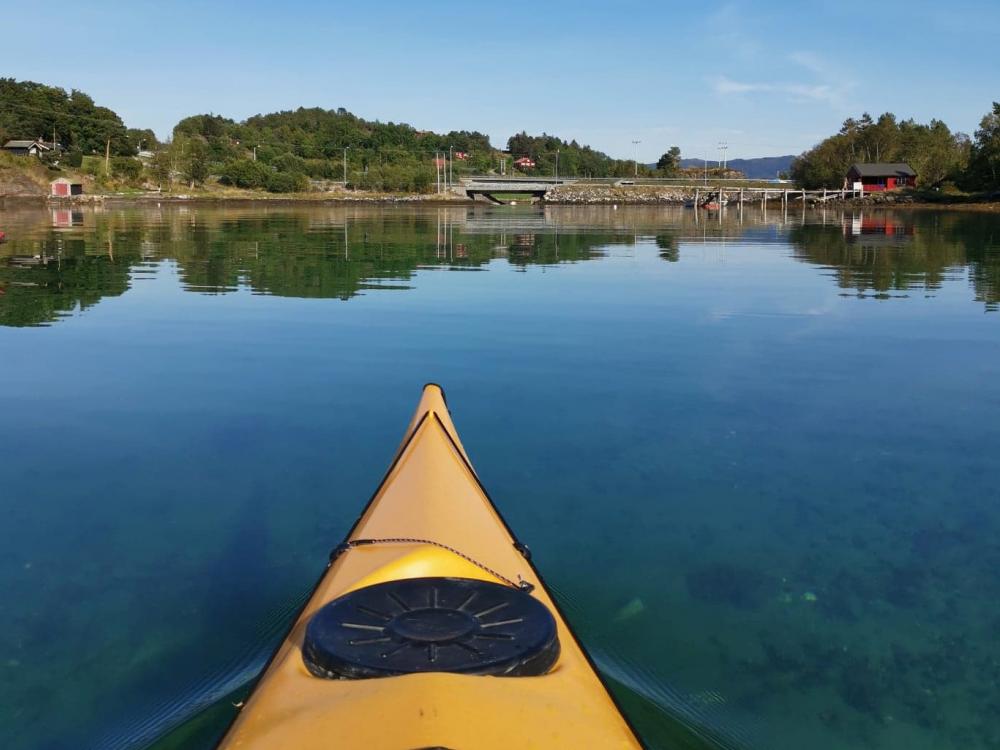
x=891 y=252
x=314 y=253
x=338 y=253
x=40 y=288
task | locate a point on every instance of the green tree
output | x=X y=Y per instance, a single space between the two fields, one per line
x=142 y=140
x=161 y=167
x=985 y=156
x=193 y=162
x=670 y=162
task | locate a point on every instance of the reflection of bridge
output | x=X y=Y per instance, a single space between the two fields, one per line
x=489 y=187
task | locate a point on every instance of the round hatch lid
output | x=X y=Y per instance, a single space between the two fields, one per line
x=431 y=625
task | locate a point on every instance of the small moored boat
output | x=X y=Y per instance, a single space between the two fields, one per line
x=430 y=628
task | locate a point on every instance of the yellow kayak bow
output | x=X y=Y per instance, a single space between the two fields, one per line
x=430 y=629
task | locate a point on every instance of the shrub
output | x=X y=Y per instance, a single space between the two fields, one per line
x=126 y=167
x=287 y=182
x=289 y=163
x=74 y=159
x=245 y=173
x=92 y=165
x=322 y=169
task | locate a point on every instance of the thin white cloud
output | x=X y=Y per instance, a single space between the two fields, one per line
x=811 y=62
x=725 y=85
x=802 y=92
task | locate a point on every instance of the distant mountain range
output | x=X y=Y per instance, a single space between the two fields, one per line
x=763 y=168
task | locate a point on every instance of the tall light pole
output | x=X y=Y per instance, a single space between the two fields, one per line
x=723 y=147
x=635 y=144
x=557 y=164
x=345 y=166
x=451 y=167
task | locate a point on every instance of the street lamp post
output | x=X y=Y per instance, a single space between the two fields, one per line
x=345 y=166
x=557 y=164
x=636 y=145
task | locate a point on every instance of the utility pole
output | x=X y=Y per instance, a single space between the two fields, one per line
x=255 y=153
x=437 y=172
x=557 y=164
x=107 y=157
x=345 y=166
x=723 y=147
x=636 y=145
x=451 y=167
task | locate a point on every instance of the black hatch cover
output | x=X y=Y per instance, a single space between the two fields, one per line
x=431 y=625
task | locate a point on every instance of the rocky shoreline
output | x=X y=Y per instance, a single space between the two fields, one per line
x=577 y=194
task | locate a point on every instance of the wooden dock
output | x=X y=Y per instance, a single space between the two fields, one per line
x=763 y=195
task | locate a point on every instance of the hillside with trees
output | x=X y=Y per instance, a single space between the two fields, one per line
x=938 y=155
x=573 y=159
x=291 y=151
x=315 y=143
x=31 y=110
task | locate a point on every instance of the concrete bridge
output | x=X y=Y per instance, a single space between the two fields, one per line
x=488 y=187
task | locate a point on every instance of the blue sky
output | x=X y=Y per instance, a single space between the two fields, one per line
x=766 y=77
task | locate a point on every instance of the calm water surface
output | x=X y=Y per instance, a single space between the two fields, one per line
x=755 y=455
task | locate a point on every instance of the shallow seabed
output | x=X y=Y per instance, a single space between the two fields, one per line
x=755 y=454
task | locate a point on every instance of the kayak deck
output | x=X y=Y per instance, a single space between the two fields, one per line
x=434 y=520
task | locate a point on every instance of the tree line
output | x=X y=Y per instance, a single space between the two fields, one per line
x=283 y=151
x=939 y=156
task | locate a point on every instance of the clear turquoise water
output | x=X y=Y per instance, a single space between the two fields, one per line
x=755 y=456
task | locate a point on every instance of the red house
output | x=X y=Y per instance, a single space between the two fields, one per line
x=874 y=178
x=524 y=162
